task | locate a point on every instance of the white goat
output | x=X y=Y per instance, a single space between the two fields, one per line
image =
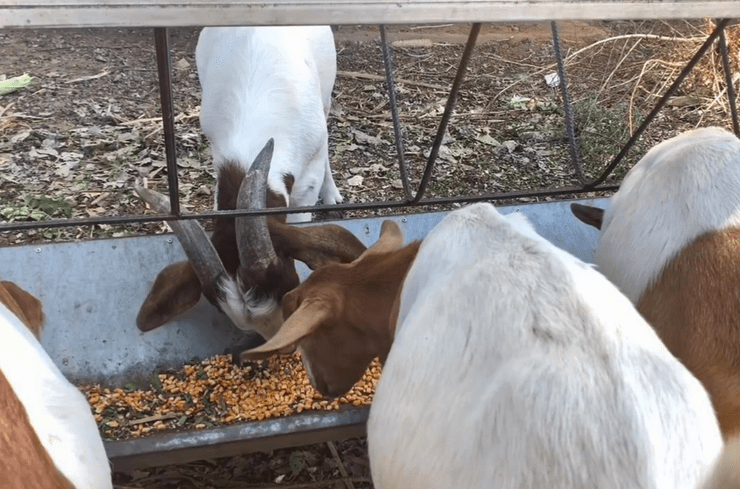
x=513 y=364
x=260 y=84
x=670 y=241
x=49 y=437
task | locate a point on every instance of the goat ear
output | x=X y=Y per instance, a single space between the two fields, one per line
x=175 y=290
x=593 y=216
x=24 y=305
x=305 y=320
x=315 y=246
x=391 y=239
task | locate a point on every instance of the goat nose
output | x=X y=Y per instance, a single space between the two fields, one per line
x=324 y=389
x=334 y=393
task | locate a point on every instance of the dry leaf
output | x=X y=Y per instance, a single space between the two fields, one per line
x=182 y=64
x=363 y=138
x=487 y=139
x=355 y=181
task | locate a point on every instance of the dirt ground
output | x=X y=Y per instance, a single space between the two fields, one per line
x=74 y=141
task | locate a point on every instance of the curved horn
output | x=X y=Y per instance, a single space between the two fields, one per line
x=253 y=237
x=194 y=241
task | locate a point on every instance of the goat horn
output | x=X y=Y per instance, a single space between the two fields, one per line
x=193 y=239
x=253 y=237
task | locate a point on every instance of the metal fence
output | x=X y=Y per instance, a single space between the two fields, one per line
x=412 y=197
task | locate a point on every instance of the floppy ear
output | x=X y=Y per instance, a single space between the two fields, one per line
x=391 y=239
x=593 y=216
x=305 y=320
x=175 y=290
x=25 y=306
x=315 y=246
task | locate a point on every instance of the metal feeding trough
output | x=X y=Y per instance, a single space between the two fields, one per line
x=93 y=293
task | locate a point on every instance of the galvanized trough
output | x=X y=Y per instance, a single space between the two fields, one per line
x=91 y=291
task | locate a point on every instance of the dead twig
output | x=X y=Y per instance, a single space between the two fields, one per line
x=6 y=108
x=148 y=419
x=631 y=36
x=721 y=94
x=647 y=66
x=369 y=76
x=86 y=78
x=340 y=464
x=570 y=57
x=619 y=63
x=179 y=117
x=22 y=116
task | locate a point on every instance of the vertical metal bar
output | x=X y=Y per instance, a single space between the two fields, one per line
x=686 y=70
x=729 y=80
x=162 y=41
x=570 y=130
x=472 y=37
x=397 y=130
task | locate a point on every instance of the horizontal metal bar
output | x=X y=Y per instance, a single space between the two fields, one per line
x=180 y=13
x=187 y=446
x=118 y=220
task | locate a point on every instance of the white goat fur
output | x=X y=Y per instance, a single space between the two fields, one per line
x=684 y=187
x=271 y=82
x=57 y=410
x=516 y=365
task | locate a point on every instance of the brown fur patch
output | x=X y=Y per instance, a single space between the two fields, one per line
x=275 y=281
x=362 y=295
x=175 y=290
x=25 y=306
x=694 y=306
x=23 y=461
x=316 y=246
x=288 y=180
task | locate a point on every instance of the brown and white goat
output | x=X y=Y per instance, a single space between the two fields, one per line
x=670 y=240
x=48 y=437
x=510 y=363
x=259 y=84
